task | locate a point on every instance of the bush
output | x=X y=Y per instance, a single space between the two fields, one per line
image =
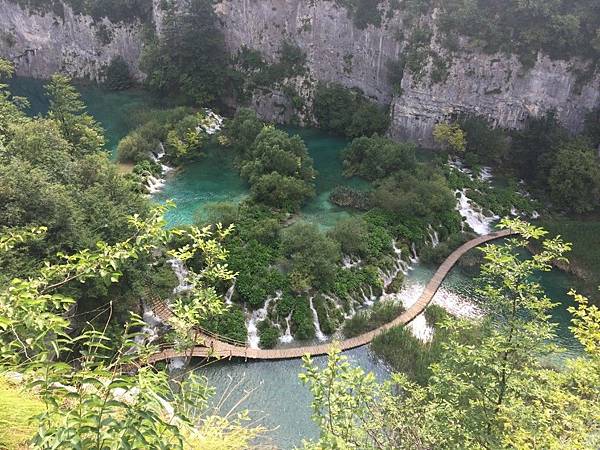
x=230 y=324
x=303 y=327
x=117 y=76
x=368 y=320
x=376 y=157
x=348 y=112
x=268 y=333
x=312 y=254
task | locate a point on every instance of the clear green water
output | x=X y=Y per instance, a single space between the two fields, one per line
x=116 y=111
x=278 y=399
x=215 y=179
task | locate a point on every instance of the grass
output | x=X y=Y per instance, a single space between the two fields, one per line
x=16 y=411
x=367 y=320
x=405 y=353
x=584 y=234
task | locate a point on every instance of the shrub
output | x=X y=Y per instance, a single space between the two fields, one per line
x=117 y=76
x=367 y=320
x=268 y=333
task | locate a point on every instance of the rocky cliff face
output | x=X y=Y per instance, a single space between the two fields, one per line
x=42 y=44
x=494 y=86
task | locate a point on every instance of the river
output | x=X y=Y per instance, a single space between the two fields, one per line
x=277 y=399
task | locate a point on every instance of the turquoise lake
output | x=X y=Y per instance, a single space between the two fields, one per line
x=277 y=397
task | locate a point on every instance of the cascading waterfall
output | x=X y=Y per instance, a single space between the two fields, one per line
x=287 y=337
x=474 y=218
x=210 y=124
x=181 y=272
x=258 y=316
x=414 y=258
x=154 y=184
x=433 y=236
x=348 y=262
x=318 y=333
x=229 y=293
x=399 y=266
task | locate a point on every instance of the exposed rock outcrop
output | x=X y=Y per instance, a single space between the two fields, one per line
x=495 y=86
x=42 y=44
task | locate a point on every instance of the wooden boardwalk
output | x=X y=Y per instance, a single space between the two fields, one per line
x=211 y=346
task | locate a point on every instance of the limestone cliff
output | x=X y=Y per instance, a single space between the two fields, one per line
x=495 y=86
x=42 y=44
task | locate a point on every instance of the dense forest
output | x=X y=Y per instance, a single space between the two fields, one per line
x=87 y=250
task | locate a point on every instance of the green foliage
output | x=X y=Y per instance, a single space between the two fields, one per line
x=303 y=327
x=363 y=12
x=585 y=236
x=348 y=111
x=230 y=324
x=87 y=400
x=484 y=144
x=127 y=11
x=376 y=157
x=278 y=167
x=176 y=130
x=117 y=76
x=312 y=256
x=352 y=235
x=492 y=392
x=17 y=409
x=574 y=177
x=560 y=28
x=76 y=126
x=268 y=333
x=189 y=59
x=370 y=319
x=437 y=255
x=242 y=130
x=257 y=279
x=450 y=136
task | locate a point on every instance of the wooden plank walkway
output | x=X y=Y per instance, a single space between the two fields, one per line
x=212 y=346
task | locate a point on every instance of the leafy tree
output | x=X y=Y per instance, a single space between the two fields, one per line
x=450 y=136
x=497 y=393
x=242 y=130
x=348 y=111
x=312 y=255
x=189 y=58
x=352 y=235
x=490 y=145
x=97 y=405
x=376 y=157
x=67 y=108
x=277 y=166
x=574 y=177
x=117 y=75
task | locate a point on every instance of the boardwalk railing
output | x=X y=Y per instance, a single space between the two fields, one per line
x=213 y=345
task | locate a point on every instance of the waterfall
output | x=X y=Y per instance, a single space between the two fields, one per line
x=433 y=236
x=474 y=218
x=210 y=123
x=258 y=316
x=181 y=273
x=399 y=266
x=287 y=336
x=229 y=293
x=154 y=184
x=414 y=259
x=348 y=262
x=318 y=333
